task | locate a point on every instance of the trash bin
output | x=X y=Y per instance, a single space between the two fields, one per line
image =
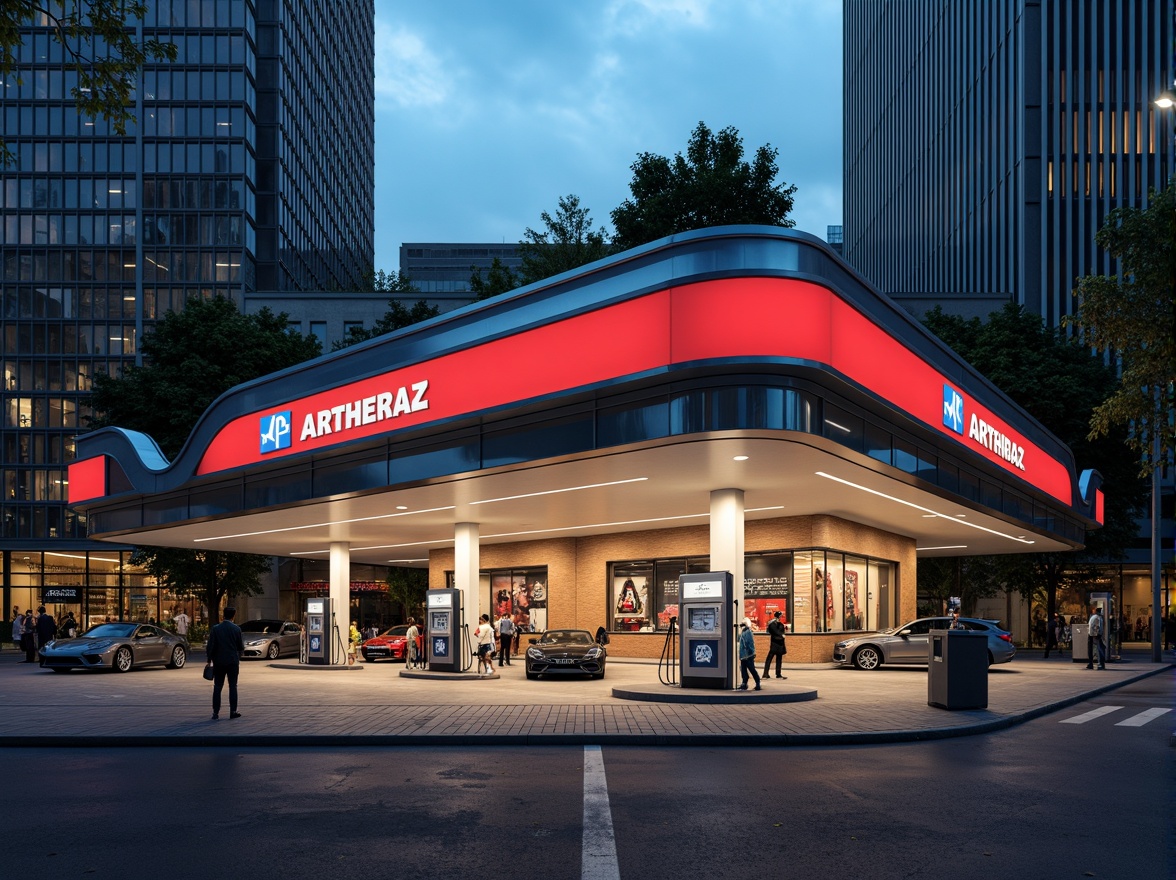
x=1080 y=648
x=957 y=669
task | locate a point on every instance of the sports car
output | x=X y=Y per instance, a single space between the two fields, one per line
x=908 y=644
x=271 y=638
x=119 y=646
x=392 y=644
x=563 y=651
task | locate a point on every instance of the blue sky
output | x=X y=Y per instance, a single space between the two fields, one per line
x=488 y=112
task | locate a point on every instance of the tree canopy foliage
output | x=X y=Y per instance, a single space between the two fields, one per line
x=98 y=40
x=1059 y=382
x=1134 y=318
x=567 y=241
x=712 y=185
x=398 y=315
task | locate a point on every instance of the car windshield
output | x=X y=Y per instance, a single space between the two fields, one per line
x=111 y=631
x=396 y=631
x=261 y=626
x=566 y=637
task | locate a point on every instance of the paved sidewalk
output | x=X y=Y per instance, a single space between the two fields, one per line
x=375 y=705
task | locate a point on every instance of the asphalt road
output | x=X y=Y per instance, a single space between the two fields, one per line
x=1047 y=799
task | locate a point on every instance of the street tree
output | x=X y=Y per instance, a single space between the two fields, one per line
x=712 y=185
x=1132 y=316
x=189 y=359
x=1059 y=382
x=499 y=279
x=99 y=43
x=398 y=315
x=406 y=588
x=567 y=241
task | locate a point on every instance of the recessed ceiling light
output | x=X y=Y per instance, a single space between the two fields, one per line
x=741 y=458
x=401 y=507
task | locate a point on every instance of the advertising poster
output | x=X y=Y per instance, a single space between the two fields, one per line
x=852 y=606
x=668 y=594
x=766 y=590
x=528 y=591
x=630 y=603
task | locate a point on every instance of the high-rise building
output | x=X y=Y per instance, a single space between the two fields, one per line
x=251 y=166
x=985 y=143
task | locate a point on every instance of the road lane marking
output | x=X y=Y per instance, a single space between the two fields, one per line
x=1143 y=718
x=599 y=859
x=1092 y=714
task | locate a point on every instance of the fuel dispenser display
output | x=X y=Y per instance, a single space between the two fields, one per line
x=316 y=629
x=443 y=629
x=707 y=638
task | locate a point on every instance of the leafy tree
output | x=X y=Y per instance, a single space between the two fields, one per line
x=499 y=279
x=1134 y=317
x=406 y=587
x=970 y=577
x=712 y=185
x=190 y=359
x=397 y=316
x=1059 y=382
x=98 y=39
x=379 y=281
x=567 y=242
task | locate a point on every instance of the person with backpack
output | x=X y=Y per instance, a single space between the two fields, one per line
x=1094 y=639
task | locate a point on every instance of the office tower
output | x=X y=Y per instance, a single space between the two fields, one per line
x=985 y=143
x=251 y=167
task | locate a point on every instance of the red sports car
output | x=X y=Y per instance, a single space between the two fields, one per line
x=392 y=644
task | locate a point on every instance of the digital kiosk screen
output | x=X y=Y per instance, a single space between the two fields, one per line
x=702 y=619
x=440 y=621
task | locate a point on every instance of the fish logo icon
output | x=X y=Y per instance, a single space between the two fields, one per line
x=953 y=409
x=275 y=431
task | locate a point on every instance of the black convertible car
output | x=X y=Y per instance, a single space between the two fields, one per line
x=564 y=651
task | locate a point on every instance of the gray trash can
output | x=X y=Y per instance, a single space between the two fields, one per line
x=957 y=669
x=1079 y=649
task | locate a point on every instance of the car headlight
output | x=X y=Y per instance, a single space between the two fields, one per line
x=534 y=653
x=253 y=643
x=593 y=653
x=844 y=644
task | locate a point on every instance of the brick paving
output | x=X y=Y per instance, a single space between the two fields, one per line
x=376 y=706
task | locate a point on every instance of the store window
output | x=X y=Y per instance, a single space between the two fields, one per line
x=520 y=593
x=767 y=580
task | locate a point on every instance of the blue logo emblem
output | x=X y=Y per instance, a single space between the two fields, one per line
x=275 y=432
x=953 y=409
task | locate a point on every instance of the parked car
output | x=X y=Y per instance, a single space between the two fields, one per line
x=271 y=638
x=392 y=644
x=908 y=644
x=565 y=651
x=119 y=646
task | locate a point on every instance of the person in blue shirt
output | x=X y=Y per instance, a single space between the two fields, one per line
x=747 y=655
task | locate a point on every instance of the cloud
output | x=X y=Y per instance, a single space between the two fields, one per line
x=631 y=18
x=407 y=73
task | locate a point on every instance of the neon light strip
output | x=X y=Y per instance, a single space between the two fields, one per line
x=558 y=491
x=945 y=547
x=918 y=507
x=338 y=522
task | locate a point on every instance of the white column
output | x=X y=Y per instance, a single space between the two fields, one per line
x=340 y=599
x=466 y=565
x=726 y=539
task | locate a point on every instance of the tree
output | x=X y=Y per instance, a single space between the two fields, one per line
x=711 y=186
x=499 y=279
x=971 y=578
x=397 y=316
x=1134 y=317
x=1059 y=382
x=189 y=359
x=567 y=242
x=98 y=44
x=379 y=281
x=406 y=587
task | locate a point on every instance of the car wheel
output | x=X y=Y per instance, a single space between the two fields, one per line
x=178 y=658
x=867 y=658
x=123 y=660
x=274 y=651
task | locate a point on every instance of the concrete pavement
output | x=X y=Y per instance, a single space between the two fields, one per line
x=376 y=706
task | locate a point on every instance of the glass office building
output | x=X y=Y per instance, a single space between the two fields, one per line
x=251 y=167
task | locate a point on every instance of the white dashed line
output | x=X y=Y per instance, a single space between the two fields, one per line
x=599 y=859
x=1143 y=718
x=1091 y=715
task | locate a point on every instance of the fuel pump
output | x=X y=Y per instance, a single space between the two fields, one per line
x=707 y=629
x=317 y=636
x=444 y=621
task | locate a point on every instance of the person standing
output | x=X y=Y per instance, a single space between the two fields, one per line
x=181 y=621
x=17 y=627
x=505 y=639
x=777 y=647
x=485 y=636
x=46 y=629
x=28 y=636
x=747 y=655
x=411 y=648
x=225 y=647
x=1094 y=639
x=1051 y=635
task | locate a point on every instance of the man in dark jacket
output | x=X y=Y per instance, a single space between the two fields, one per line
x=46 y=629
x=225 y=647
x=776 y=647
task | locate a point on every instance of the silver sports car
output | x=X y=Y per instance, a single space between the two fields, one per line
x=117 y=646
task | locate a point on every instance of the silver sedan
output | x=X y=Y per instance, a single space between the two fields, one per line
x=117 y=646
x=909 y=643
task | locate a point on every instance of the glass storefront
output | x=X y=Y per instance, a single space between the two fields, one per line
x=816 y=591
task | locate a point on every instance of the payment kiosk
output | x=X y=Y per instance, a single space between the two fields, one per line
x=706 y=629
x=443 y=622
x=317 y=631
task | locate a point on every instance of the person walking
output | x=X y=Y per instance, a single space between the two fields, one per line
x=747 y=655
x=505 y=639
x=777 y=647
x=1094 y=639
x=1051 y=635
x=485 y=636
x=225 y=647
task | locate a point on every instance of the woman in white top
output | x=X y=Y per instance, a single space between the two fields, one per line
x=485 y=636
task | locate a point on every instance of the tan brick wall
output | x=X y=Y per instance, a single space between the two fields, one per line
x=577 y=572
